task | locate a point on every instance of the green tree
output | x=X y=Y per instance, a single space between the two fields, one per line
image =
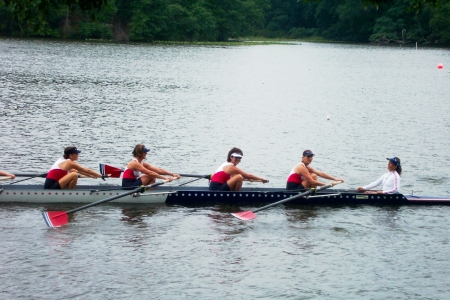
x=440 y=25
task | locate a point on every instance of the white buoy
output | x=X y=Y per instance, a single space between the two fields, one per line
x=328 y=117
x=15 y=107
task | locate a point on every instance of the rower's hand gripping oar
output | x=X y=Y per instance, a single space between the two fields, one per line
x=31 y=176
x=250 y=215
x=114 y=172
x=59 y=218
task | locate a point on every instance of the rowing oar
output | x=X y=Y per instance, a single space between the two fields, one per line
x=59 y=218
x=31 y=176
x=5 y=178
x=250 y=215
x=45 y=175
x=115 y=172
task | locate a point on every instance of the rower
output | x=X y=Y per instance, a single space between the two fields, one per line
x=65 y=171
x=138 y=172
x=228 y=176
x=303 y=176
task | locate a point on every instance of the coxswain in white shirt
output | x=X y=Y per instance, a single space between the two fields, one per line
x=389 y=182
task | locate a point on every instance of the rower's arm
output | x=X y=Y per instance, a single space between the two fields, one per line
x=306 y=173
x=325 y=175
x=149 y=170
x=160 y=171
x=3 y=173
x=83 y=170
x=235 y=170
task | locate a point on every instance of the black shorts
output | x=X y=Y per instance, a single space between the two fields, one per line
x=51 y=184
x=216 y=186
x=294 y=186
x=131 y=183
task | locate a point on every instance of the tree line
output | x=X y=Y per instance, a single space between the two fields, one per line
x=398 y=21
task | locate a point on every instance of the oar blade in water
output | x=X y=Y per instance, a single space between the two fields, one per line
x=245 y=215
x=55 y=218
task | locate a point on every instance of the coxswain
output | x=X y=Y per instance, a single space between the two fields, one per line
x=390 y=181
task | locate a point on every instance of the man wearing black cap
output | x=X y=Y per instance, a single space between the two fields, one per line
x=303 y=176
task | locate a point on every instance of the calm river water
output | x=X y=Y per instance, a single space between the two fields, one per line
x=352 y=105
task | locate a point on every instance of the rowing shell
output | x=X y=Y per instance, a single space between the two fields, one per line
x=186 y=195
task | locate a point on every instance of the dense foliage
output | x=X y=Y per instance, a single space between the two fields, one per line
x=220 y=20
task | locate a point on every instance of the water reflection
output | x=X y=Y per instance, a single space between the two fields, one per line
x=301 y=214
x=138 y=214
x=58 y=238
x=225 y=223
x=388 y=216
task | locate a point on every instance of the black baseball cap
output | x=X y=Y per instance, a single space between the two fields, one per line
x=71 y=150
x=145 y=150
x=308 y=153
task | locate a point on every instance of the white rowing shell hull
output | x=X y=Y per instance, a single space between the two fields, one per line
x=33 y=194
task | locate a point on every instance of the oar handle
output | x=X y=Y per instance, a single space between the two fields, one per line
x=255 y=180
x=196 y=176
x=311 y=191
x=5 y=178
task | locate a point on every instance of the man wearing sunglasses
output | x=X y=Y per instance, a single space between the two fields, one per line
x=303 y=176
x=228 y=176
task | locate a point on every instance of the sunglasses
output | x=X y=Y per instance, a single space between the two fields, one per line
x=237 y=157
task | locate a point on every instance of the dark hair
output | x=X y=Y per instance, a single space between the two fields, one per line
x=234 y=150
x=399 y=168
x=68 y=151
x=138 y=150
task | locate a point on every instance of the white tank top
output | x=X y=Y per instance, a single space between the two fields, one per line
x=56 y=164
x=128 y=173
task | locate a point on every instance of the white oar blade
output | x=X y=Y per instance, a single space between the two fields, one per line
x=245 y=215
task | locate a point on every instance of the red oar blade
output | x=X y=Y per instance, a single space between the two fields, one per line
x=111 y=171
x=245 y=215
x=55 y=218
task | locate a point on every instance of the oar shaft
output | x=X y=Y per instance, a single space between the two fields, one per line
x=104 y=168
x=104 y=200
x=190 y=181
x=30 y=175
x=140 y=189
x=196 y=176
x=293 y=197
